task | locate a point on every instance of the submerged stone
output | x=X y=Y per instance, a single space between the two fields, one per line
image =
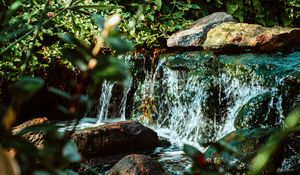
x=196 y=34
x=243 y=35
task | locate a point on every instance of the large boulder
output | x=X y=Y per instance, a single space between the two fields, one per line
x=114 y=138
x=195 y=35
x=243 y=35
x=136 y=164
x=102 y=144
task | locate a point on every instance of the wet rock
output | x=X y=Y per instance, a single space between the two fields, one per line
x=35 y=137
x=188 y=60
x=196 y=34
x=137 y=164
x=114 y=138
x=256 y=112
x=243 y=35
x=247 y=143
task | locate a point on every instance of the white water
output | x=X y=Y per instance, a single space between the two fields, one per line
x=181 y=100
x=104 y=101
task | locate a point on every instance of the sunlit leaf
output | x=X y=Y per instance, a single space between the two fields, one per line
x=158 y=3
x=231 y=7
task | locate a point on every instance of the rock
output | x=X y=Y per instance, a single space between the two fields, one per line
x=136 y=164
x=247 y=143
x=188 y=60
x=242 y=35
x=114 y=138
x=256 y=112
x=196 y=34
x=35 y=137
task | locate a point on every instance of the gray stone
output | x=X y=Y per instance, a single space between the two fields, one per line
x=136 y=164
x=196 y=34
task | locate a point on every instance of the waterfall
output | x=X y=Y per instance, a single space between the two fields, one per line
x=104 y=101
x=199 y=100
x=182 y=99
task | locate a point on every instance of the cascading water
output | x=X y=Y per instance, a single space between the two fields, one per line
x=191 y=97
x=182 y=100
x=104 y=101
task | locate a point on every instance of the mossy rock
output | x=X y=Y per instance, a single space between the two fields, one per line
x=246 y=142
x=256 y=112
x=187 y=60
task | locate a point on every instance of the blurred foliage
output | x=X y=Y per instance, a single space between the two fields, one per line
x=34 y=33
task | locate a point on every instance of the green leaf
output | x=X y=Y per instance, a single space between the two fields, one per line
x=99 y=21
x=190 y=151
x=287 y=21
x=231 y=7
x=158 y=3
x=76 y=58
x=84 y=52
x=25 y=88
x=11 y=10
x=60 y=93
x=119 y=44
x=110 y=68
x=70 y=152
x=257 y=6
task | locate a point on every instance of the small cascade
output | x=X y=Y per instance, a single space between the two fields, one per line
x=239 y=94
x=104 y=101
x=117 y=102
x=124 y=101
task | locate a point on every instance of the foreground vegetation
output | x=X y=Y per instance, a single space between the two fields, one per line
x=36 y=36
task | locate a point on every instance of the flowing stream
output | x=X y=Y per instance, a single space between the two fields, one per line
x=194 y=98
